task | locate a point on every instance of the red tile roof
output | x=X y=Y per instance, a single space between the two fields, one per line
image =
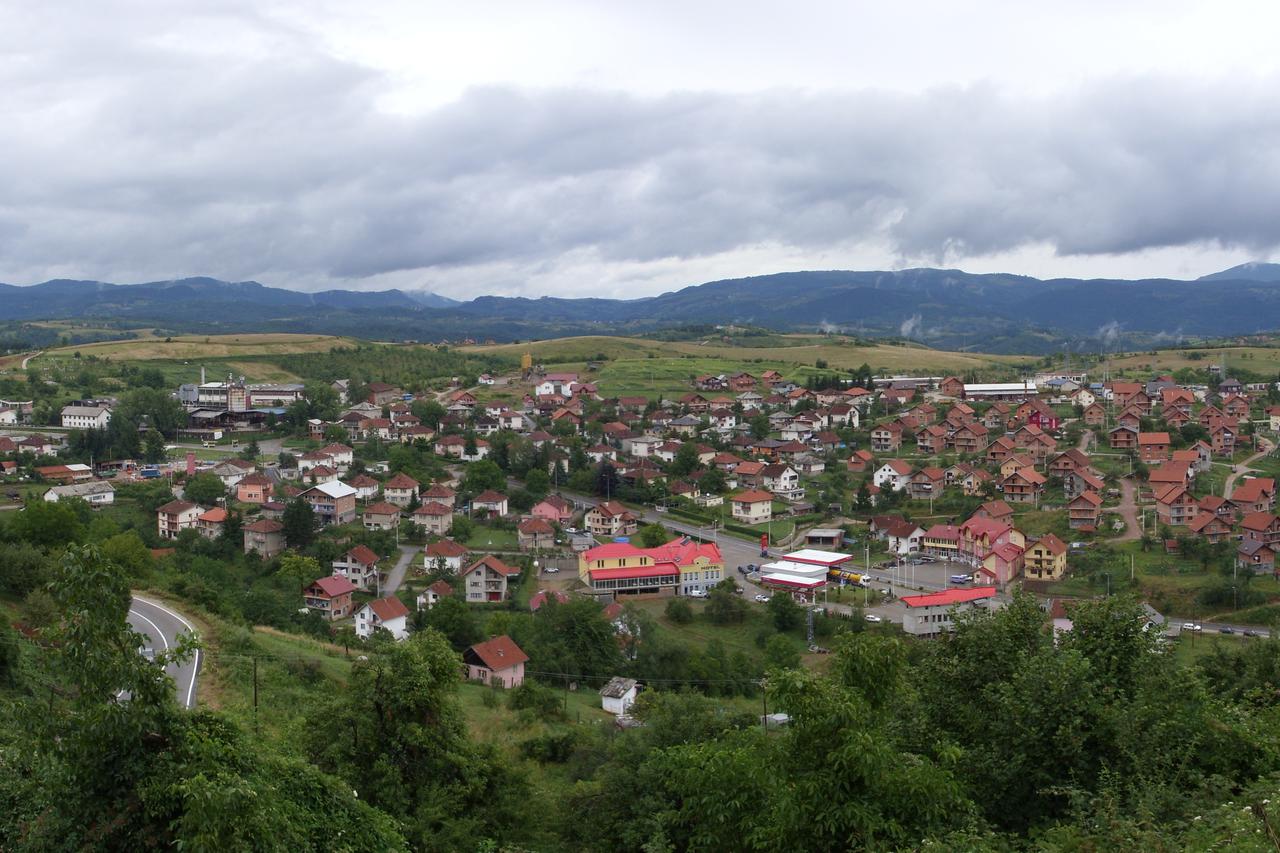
x=363 y=555
x=401 y=481
x=498 y=653
x=388 y=608
x=334 y=585
x=949 y=597
x=445 y=548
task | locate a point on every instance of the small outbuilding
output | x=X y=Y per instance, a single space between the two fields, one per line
x=619 y=695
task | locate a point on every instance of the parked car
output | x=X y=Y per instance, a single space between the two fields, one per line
x=550 y=570
x=697 y=593
x=1249 y=632
x=762 y=598
x=871 y=617
x=739 y=590
x=1190 y=626
x=1226 y=630
x=961 y=578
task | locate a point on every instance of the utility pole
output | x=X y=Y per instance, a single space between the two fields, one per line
x=255 y=693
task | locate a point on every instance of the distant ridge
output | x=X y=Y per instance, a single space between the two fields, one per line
x=1252 y=271
x=949 y=309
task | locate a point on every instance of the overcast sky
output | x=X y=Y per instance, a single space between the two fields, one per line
x=624 y=149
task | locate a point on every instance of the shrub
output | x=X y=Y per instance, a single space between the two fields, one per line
x=530 y=696
x=679 y=611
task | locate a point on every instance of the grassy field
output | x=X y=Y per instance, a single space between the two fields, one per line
x=635 y=366
x=1255 y=359
x=203 y=346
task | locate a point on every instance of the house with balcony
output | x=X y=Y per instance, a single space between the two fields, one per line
x=1024 y=485
x=886 y=438
x=610 y=518
x=333 y=503
x=487 y=580
x=1045 y=559
x=265 y=536
x=360 y=566
x=754 y=506
x=1085 y=511
x=1175 y=505
x=329 y=596
x=177 y=516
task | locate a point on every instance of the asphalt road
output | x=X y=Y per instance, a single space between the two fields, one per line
x=396 y=576
x=163 y=627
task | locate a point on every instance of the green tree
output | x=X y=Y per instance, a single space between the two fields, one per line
x=781 y=653
x=652 y=535
x=205 y=489
x=483 y=475
x=95 y=772
x=462 y=528
x=686 y=460
x=411 y=755
x=299 y=521
x=679 y=611
x=48 y=524
x=784 y=611
x=538 y=483
x=300 y=570
x=724 y=605
x=712 y=481
x=153 y=447
x=455 y=620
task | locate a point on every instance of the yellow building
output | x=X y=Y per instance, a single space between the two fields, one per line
x=1046 y=559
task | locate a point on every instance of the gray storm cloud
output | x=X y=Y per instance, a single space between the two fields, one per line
x=152 y=162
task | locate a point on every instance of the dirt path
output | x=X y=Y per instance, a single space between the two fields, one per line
x=1128 y=510
x=1243 y=468
x=1085 y=438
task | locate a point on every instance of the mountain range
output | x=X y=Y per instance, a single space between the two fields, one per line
x=951 y=309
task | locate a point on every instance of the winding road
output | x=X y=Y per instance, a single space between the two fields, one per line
x=1243 y=467
x=162 y=627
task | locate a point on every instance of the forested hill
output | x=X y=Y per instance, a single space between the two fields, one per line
x=943 y=308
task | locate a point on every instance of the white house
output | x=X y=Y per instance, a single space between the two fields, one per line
x=85 y=417
x=389 y=614
x=783 y=481
x=904 y=538
x=618 y=695
x=97 y=493
x=360 y=566
x=893 y=475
